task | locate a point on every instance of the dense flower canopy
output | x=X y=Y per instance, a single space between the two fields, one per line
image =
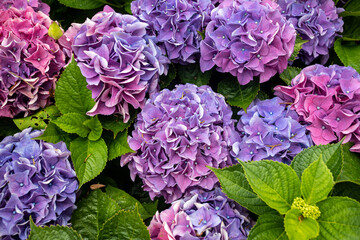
x=247 y=39
x=37 y=180
x=202 y=215
x=327 y=98
x=176 y=136
x=37 y=5
x=119 y=60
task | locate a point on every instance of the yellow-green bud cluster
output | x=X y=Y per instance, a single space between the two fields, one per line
x=308 y=211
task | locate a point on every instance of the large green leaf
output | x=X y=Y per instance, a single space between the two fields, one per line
x=192 y=74
x=289 y=73
x=115 y=123
x=347 y=189
x=118 y=146
x=352 y=9
x=89 y=158
x=351 y=166
x=351 y=31
x=53 y=134
x=299 y=228
x=38 y=120
x=349 y=53
x=52 y=233
x=73 y=123
x=275 y=183
x=268 y=227
x=95 y=128
x=236 y=187
x=339 y=219
x=82 y=4
x=71 y=94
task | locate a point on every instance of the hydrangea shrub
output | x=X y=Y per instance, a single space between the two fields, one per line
x=37 y=5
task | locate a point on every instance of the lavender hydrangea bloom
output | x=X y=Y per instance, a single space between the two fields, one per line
x=269 y=130
x=176 y=24
x=316 y=21
x=37 y=5
x=119 y=60
x=178 y=134
x=247 y=39
x=327 y=98
x=207 y=215
x=37 y=180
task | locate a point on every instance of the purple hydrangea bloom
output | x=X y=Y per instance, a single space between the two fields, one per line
x=316 y=21
x=247 y=39
x=37 y=180
x=206 y=215
x=176 y=24
x=178 y=134
x=119 y=60
x=270 y=130
x=30 y=61
x=328 y=99
x=37 y=5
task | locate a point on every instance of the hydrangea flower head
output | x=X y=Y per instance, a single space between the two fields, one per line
x=178 y=134
x=247 y=39
x=202 y=215
x=316 y=21
x=37 y=180
x=176 y=24
x=119 y=60
x=37 y=5
x=30 y=61
x=270 y=130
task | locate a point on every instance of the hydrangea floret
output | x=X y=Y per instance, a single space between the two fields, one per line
x=269 y=130
x=177 y=135
x=202 y=215
x=328 y=100
x=307 y=211
x=119 y=60
x=176 y=24
x=247 y=39
x=30 y=61
x=37 y=5
x=37 y=180
x=316 y=21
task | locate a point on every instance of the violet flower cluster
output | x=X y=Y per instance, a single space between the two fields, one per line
x=178 y=134
x=37 y=5
x=176 y=24
x=119 y=60
x=328 y=99
x=30 y=61
x=206 y=215
x=37 y=180
x=316 y=21
x=270 y=130
x=247 y=39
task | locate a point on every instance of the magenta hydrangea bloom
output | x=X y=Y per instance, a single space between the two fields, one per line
x=176 y=24
x=328 y=99
x=37 y=5
x=30 y=61
x=269 y=130
x=247 y=39
x=119 y=60
x=316 y=21
x=205 y=215
x=178 y=134
x=37 y=180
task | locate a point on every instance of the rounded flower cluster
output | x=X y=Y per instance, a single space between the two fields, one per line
x=176 y=24
x=119 y=60
x=202 y=215
x=37 y=5
x=316 y=21
x=328 y=99
x=270 y=130
x=30 y=61
x=178 y=134
x=247 y=39
x=37 y=180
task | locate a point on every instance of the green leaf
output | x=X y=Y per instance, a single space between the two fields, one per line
x=331 y=155
x=82 y=4
x=298 y=46
x=299 y=228
x=351 y=31
x=115 y=123
x=347 y=189
x=192 y=74
x=118 y=146
x=55 y=31
x=351 y=166
x=52 y=233
x=316 y=182
x=165 y=80
x=349 y=53
x=95 y=128
x=53 y=134
x=71 y=94
x=269 y=227
x=289 y=74
x=125 y=225
x=238 y=95
x=73 y=123
x=275 y=183
x=127 y=202
x=339 y=219
x=92 y=212
x=236 y=187
x=38 y=120
x=352 y=9
x=89 y=158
